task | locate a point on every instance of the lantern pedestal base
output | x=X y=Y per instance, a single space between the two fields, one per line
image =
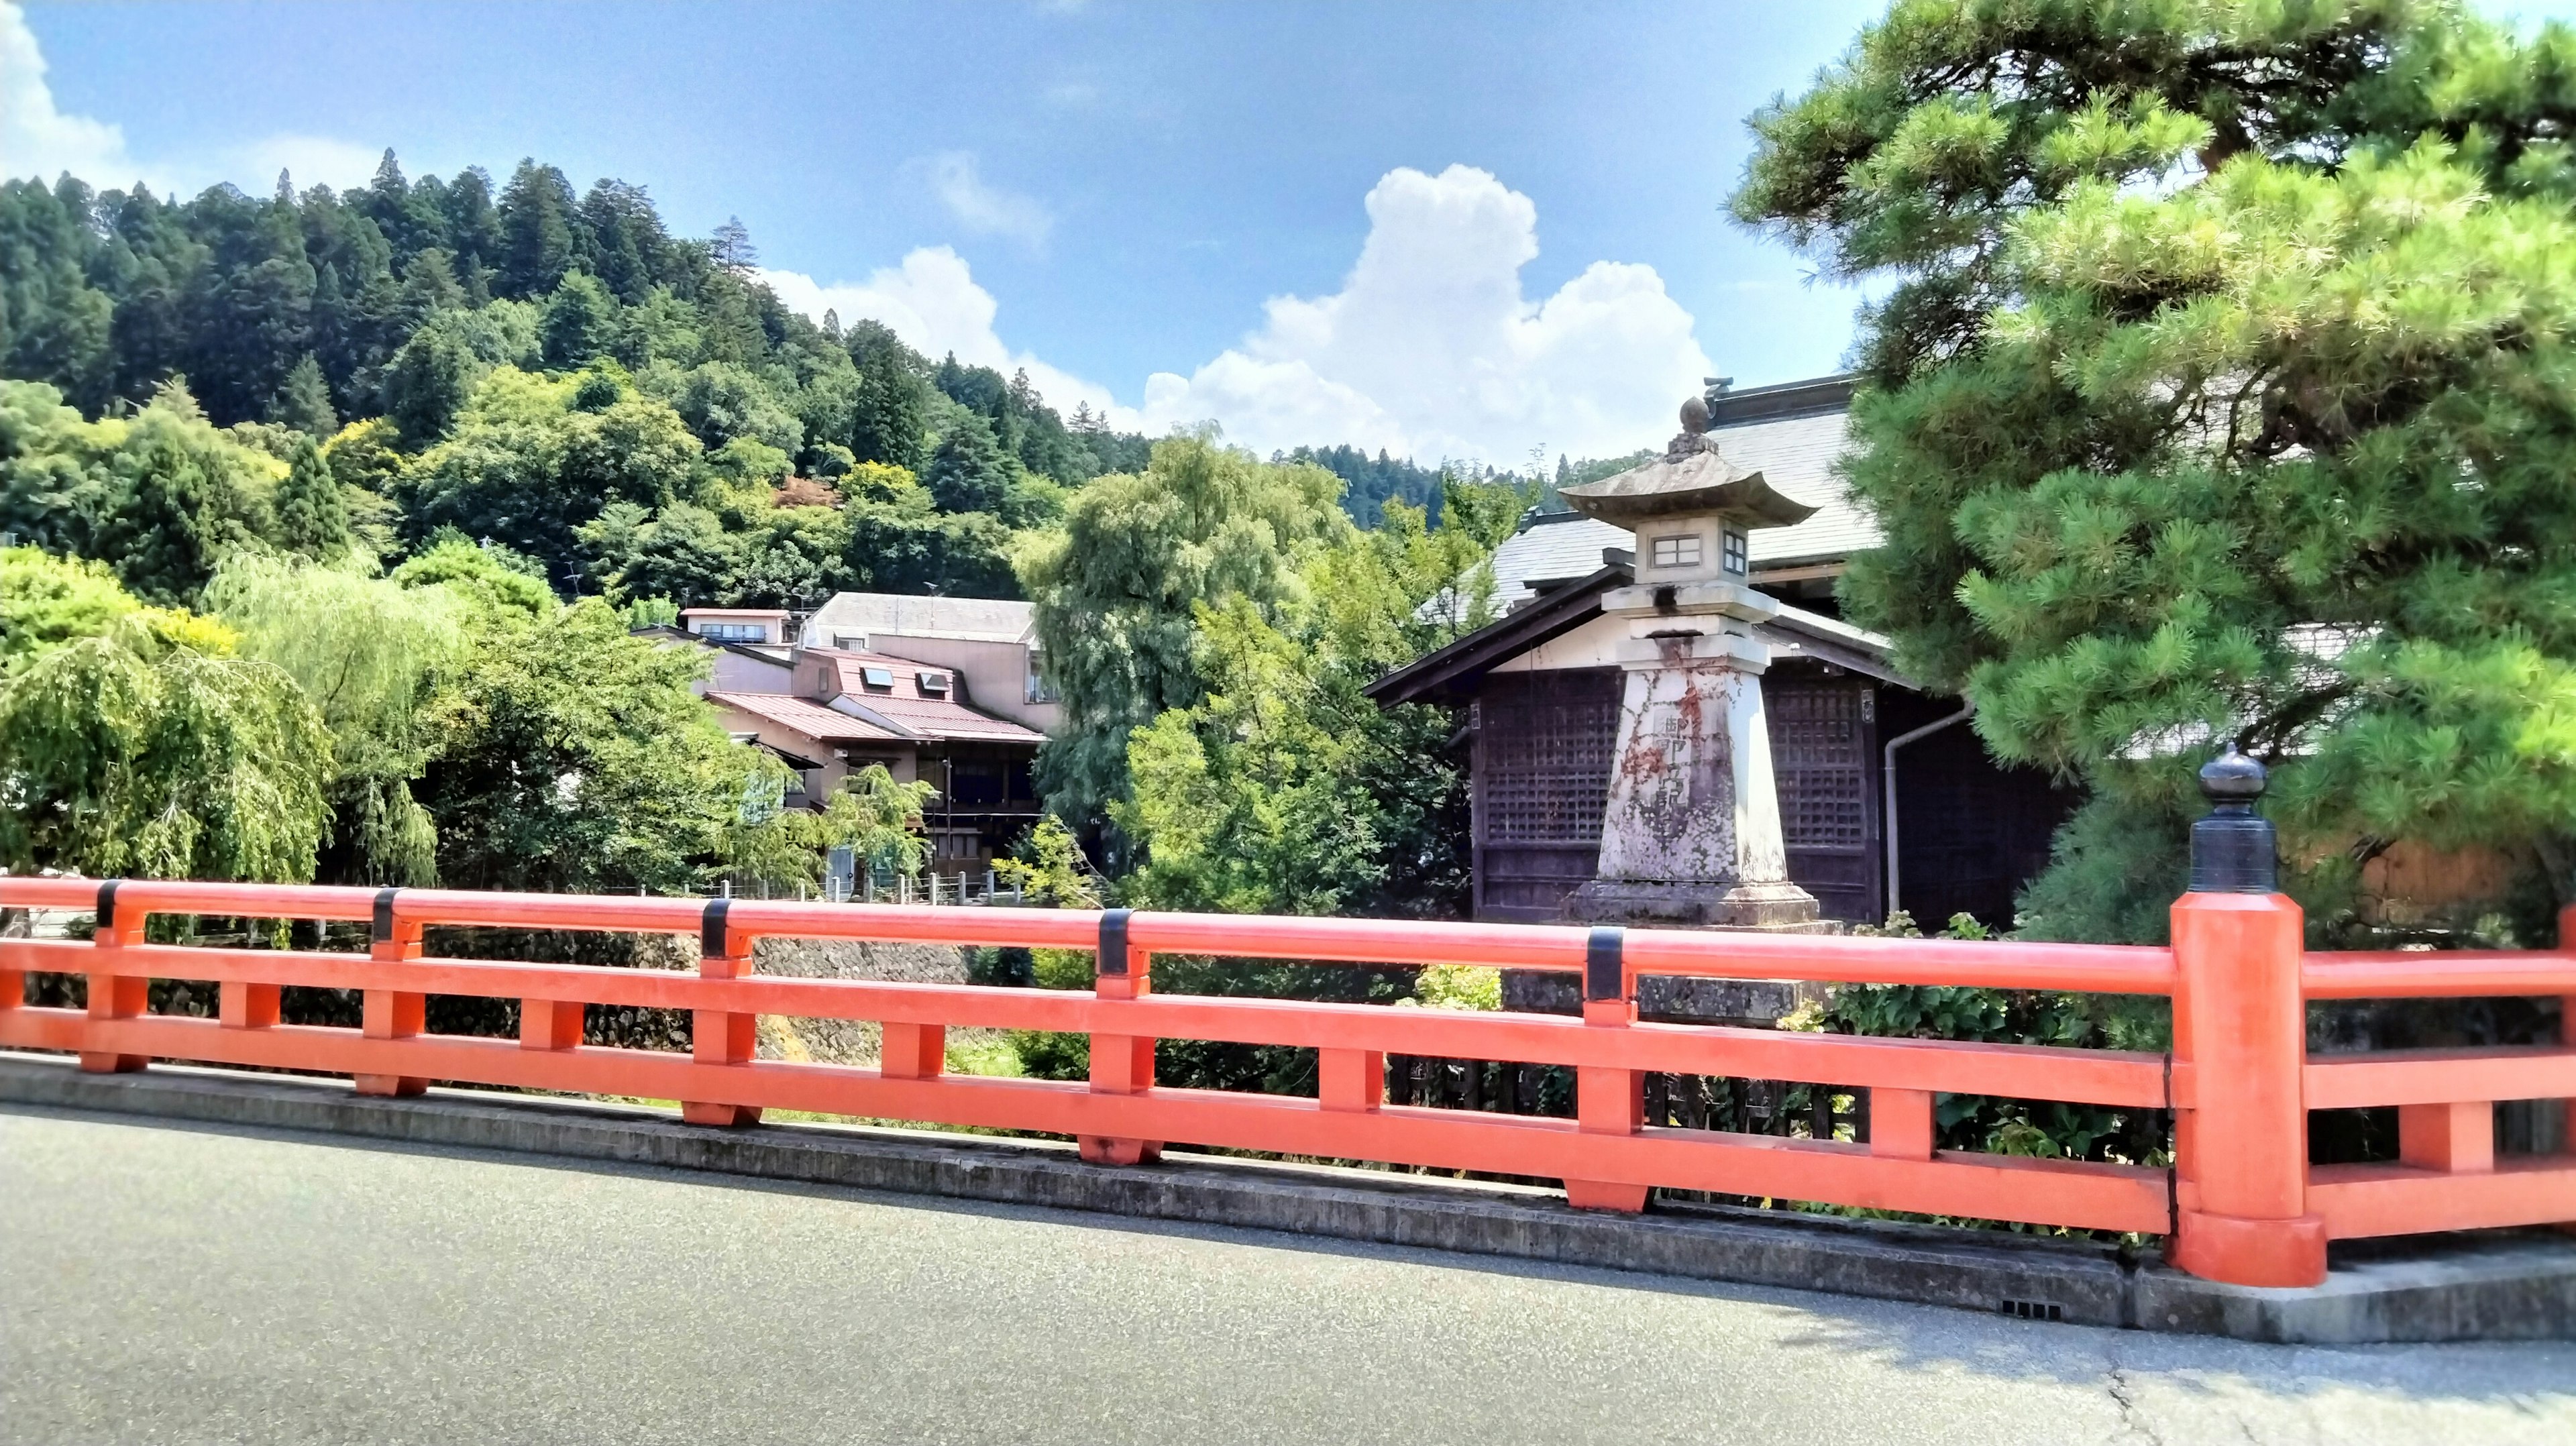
x=1696 y=904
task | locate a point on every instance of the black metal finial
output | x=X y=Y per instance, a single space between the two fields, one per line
x=2233 y=849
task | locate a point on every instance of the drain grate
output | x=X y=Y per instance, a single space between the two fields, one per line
x=2033 y=1310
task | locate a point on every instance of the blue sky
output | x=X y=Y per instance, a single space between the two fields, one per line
x=1462 y=230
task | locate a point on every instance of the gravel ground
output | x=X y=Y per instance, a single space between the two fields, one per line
x=185 y=1285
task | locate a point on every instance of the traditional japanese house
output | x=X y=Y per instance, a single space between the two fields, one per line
x=1886 y=798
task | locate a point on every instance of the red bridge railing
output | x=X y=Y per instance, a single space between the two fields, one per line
x=2243 y=1205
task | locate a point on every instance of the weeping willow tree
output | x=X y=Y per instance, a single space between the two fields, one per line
x=147 y=748
x=373 y=656
x=2223 y=386
x=1116 y=590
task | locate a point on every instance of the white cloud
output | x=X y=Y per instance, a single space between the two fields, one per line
x=35 y=138
x=982 y=208
x=1430 y=349
x=38 y=139
x=933 y=302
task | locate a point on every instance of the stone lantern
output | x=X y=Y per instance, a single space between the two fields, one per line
x=1692 y=833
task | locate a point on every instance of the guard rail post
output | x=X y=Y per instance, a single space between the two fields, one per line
x=1607 y=1100
x=2240 y=1026
x=392 y=1013
x=718 y=1036
x=2567 y=1037
x=1121 y=1064
x=113 y=995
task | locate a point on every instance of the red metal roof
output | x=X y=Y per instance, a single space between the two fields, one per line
x=908 y=708
x=814 y=720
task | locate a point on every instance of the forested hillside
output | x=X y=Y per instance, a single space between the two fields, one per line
x=549 y=371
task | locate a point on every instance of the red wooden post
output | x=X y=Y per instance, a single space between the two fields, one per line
x=550 y=1023
x=1350 y=1079
x=2567 y=1018
x=1900 y=1124
x=113 y=995
x=391 y=1013
x=2456 y=1138
x=719 y=1036
x=1121 y=1064
x=246 y=1006
x=913 y=1051
x=2240 y=1021
x=2567 y=1037
x=1607 y=1100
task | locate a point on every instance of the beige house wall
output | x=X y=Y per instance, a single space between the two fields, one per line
x=995 y=674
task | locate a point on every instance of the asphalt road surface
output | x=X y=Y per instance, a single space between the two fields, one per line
x=184 y=1285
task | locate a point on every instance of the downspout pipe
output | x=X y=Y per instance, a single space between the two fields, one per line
x=1887 y=781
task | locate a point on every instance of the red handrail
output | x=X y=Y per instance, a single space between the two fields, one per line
x=2250 y=1211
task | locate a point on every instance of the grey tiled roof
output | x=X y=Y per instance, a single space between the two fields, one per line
x=865 y=614
x=1794 y=454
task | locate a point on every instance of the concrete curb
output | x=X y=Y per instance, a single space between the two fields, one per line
x=2492 y=1286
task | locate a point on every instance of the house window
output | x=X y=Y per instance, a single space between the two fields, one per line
x=976 y=782
x=849 y=644
x=1733 y=558
x=1037 y=688
x=1679 y=550
x=734 y=632
x=934 y=684
x=877 y=680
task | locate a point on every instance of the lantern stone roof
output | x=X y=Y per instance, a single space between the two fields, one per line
x=1692 y=476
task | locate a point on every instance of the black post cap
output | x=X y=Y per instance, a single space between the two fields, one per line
x=1605 y=964
x=1112 y=958
x=2233 y=849
x=711 y=928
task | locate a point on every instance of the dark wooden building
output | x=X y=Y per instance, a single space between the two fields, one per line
x=1540 y=695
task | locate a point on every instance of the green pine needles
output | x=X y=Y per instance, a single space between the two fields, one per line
x=2222 y=386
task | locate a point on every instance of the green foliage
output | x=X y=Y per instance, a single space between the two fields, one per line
x=143 y=750
x=488 y=578
x=1117 y=592
x=871 y=814
x=1048 y=868
x=178 y=497
x=52 y=468
x=1369 y=484
x=374 y=657
x=581 y=322
x=722 y=402
x=304 y=402
x=652 y=612
x=1284 y=788
x=312 y=520
x=47 y=601
x=968 y=472
x=2218 y=391
x=1457 y=986
x=533 y=458
x=579 y=761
